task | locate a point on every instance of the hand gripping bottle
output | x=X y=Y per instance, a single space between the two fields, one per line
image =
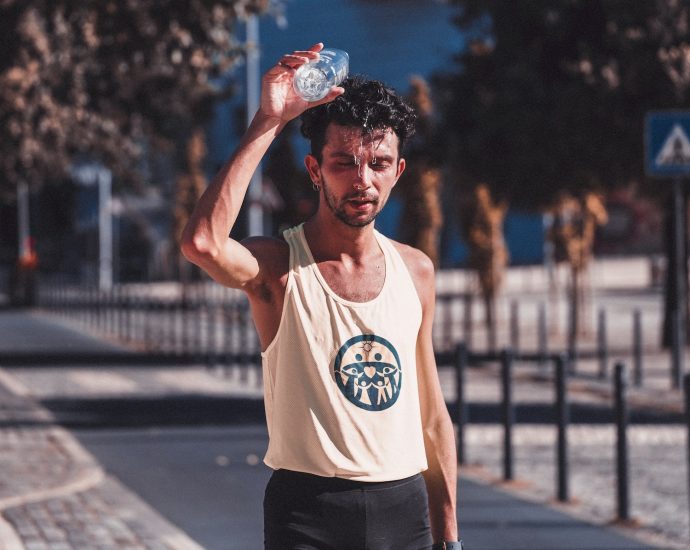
x=314 y=79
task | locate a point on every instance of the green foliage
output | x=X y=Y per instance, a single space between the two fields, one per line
x=97 y=76
x=550 y=95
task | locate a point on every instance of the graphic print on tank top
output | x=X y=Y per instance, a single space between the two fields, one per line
x=368 y=372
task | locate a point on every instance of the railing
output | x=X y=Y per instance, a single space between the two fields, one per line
x=215 y=327
x=205 y=322
x=561 y=365
x=199 y=324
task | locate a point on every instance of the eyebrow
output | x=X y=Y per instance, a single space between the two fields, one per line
x=343 y=155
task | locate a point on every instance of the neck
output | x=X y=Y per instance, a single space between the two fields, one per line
x=331 y=239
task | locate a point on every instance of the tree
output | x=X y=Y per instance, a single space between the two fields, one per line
x=558 y=90
x=550 y=95
x=482 y=225
x=572 y=233
x=420 y=183
x=299 y=197
x=110 y=80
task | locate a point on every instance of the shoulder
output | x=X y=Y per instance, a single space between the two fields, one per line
x=273 y=257
x=421 y=269
x=419 y=264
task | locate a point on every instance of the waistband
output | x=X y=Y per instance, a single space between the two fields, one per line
x=337 y=483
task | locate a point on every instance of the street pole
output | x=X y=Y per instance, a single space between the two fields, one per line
x=105 y=229
x=22 y=292
x=256 y=214
x=680 y=305
x=23 y=231
x=93 y=173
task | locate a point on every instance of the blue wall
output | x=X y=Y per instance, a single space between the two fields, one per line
x=390 y=41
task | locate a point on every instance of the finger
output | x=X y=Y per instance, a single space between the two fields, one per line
x=292 y=60
x=284 y=66
x=307 y=53
x=316 y=47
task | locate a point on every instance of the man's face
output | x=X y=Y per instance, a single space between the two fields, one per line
x=357 y=172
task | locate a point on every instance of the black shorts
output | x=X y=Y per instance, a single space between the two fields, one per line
x=308 y=512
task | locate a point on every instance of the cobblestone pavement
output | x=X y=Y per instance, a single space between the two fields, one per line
x=658 y=460
x=55 y=496
x=658 y=479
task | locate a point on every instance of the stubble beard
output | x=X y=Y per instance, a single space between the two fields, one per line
x=340 y=213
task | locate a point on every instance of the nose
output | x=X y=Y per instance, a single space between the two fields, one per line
x=363 y=176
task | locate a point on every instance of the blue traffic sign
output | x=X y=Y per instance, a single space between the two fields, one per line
x=667 y=144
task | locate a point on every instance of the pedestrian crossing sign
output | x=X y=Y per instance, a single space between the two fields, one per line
x=667 y=144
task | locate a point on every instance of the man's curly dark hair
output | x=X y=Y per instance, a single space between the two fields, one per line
x=366 y=104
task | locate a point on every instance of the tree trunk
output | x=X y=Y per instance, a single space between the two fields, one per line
x=574 y=292
x=422 y=216
x=189 y=187
x=490 y=321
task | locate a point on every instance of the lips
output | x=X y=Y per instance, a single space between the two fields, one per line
x=361 y=199
x=360 y=205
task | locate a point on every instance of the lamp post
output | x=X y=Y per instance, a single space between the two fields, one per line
x=22 y=293
x=23 y=231
x=88 y=174
x=256 y=212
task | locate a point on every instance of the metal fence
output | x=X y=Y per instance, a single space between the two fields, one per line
x=561 y=371
x=196 y=324
x=204 y=322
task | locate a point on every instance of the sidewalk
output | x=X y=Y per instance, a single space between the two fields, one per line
x=54 y=495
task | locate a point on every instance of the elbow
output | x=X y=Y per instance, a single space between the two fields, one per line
x=437 y=423
x=198 y=248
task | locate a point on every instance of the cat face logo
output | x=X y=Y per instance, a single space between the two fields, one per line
x=368 y=372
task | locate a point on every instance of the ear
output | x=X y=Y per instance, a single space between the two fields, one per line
x=313 y=168
x=401 y=169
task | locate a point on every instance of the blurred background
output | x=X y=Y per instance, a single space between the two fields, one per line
x=546 y=181
x=534 y=110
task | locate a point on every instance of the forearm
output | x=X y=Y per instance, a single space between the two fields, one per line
x=441 y=479
x=217 y=210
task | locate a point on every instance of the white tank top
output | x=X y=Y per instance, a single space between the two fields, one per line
x=340 y=380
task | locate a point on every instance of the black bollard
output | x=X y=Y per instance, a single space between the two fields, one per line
x=467 y=321
x=637 y=347
x=562 y=420
x=447 y=324
x=572 y=335
x=602 y=340
x=621 y=444
x=461 y=412
x=686 y=387
x=543 y=334
x=514 y=325
x=508 y=413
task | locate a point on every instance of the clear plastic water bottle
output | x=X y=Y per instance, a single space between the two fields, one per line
x=314 y=79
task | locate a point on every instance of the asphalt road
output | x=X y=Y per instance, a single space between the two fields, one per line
x=210 y=481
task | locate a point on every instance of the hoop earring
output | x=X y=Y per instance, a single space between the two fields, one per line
x=316 y=187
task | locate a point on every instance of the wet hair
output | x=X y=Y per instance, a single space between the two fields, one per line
x=366 y=104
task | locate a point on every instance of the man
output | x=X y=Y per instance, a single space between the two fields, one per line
x=359 y=436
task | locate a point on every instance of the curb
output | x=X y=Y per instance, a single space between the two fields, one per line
x=8 y=536
x=128 y=505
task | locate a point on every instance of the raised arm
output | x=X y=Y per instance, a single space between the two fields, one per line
x=205 y=239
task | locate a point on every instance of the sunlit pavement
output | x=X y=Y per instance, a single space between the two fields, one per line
x=206 y=481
